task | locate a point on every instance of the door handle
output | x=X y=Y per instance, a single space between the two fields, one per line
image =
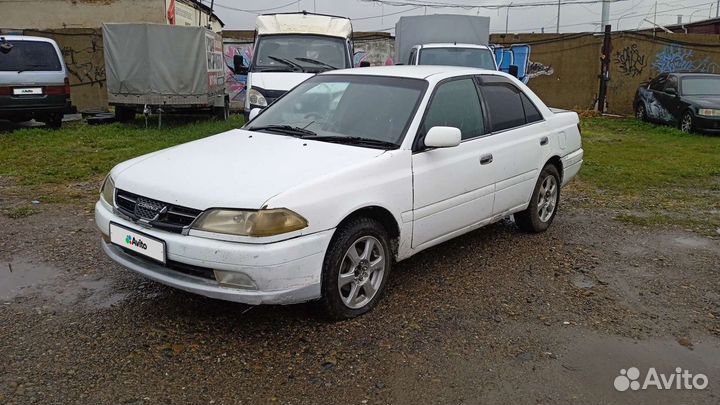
x=544 y=141
x=486 y=159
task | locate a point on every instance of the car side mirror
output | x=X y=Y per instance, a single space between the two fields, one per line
x=443 y=137
x=239 y=67
x=514 y=71
x=254 y=113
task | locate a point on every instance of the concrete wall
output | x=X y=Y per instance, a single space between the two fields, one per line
x=82 y=50
x=57 y=14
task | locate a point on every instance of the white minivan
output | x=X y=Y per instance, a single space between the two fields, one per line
x=33 y=80
x=353 y=170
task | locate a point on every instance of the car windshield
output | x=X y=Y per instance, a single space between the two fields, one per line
x=469 y=57
x=310 y=53
x=22 y=56
x=701 y=86
x=346 y=108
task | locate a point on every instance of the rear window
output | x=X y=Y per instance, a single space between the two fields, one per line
x=29 y=56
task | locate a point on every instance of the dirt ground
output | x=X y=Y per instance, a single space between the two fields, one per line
x=495 y=316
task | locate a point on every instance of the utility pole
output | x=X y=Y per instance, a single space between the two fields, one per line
x=717 y=10
x=557 y=30
x=604 y=69
x=605 y=13
x=507 y=18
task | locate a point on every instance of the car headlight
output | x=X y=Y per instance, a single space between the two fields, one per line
x=707 y=112
x=256 y=98
x=250 y=222
x=107 y=191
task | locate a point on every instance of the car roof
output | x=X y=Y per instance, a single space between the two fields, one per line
x=26 y=38
x=415 y=71
x=691 y=74
x=454 y=45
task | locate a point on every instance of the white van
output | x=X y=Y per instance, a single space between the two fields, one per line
x=291 y=47
x=33 y=80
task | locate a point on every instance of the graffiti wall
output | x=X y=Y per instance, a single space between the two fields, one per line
x=376 y=51
x=519 y=55
x=638 y=57
x=82 y=50
x=236 y=83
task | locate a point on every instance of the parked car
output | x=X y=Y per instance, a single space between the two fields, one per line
x=690 y=101
x=321 y=192
x=33 y=80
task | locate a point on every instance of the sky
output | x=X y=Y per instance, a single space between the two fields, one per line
x=368 y=15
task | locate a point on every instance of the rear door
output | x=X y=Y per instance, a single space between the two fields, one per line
x=519 y=135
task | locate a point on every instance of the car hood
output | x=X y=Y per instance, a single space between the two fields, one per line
x=704 y=101
x=235 y=169
x=278 y=80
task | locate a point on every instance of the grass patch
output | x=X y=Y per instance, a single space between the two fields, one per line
x=55 y=164
x=656 y=174
x=21 y=212
x=650 y=175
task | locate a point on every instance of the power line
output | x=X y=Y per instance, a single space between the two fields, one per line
x=436 y=4
x=256 y=11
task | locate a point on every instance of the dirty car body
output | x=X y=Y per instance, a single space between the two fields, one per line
x=351 y=171
x=33 y=80
x=689 y=101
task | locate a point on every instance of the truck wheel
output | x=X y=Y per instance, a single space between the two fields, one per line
x=223 y=113
x=54 y=121
x=543 y=204
x=125 y=114
x=356 y=268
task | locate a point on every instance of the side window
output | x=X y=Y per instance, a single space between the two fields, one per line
x=411 y=60
x=531 y=112
x=456 y=104
x=672 y=83
x=504 y=105
x=658 y=84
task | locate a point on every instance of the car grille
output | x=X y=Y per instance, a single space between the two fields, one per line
x=189 y=269
x=169 y=217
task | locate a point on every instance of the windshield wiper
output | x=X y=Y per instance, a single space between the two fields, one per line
x=29 y=67
x=286 y=62
x=285 y=129
x=354 y=140
x=316 y=62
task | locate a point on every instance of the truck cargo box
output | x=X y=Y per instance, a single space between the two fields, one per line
x=158 y=64
x=437 y=28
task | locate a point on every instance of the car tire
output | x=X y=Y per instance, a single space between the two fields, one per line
x=54 y=121
x=352 y=284
x=543 y=207
x=641 y=112
x=687 y=122
x=125 y=114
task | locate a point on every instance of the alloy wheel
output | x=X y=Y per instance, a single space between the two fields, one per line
x=361 y=272
x=547 y=198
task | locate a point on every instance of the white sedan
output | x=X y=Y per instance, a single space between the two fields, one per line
x=353 y=170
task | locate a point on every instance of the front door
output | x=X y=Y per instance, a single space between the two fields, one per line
x=453 y=187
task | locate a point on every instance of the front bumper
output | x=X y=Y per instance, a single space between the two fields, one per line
x=284 y=272
x=707 y=124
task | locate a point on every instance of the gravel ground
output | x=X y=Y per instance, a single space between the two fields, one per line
x=494 y=316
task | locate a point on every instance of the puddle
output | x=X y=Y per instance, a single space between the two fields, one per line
x=19 y=277
x=691 y=242
x=592 y=362
x=22 y=278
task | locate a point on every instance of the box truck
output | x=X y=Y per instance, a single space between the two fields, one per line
x=165 y=68
x=289 y=48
